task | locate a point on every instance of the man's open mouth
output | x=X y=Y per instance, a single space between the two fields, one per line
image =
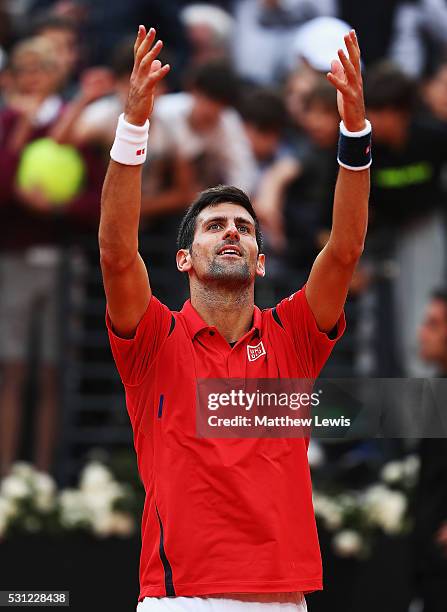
x=230 y=250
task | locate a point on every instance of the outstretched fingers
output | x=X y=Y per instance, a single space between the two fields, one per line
x=139 y=39
x=353 y=48
x=157 y=73
x=144 y=45
x=146 y=62
x=346 y=73
x=337 y=77
x=349 y=69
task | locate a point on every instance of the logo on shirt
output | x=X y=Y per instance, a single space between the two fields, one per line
x=254 y=352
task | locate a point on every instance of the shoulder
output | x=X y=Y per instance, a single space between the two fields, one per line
x=172 y=105
x=230 y=119
x=108 y=105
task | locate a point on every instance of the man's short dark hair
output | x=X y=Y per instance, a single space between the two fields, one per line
x=211 y=197
x=387 y=87
x=265 y=109
x=216 y=80
x=52 y=22
x=123 y=58
x=440 y=293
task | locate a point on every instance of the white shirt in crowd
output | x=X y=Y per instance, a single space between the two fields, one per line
x=226 y=144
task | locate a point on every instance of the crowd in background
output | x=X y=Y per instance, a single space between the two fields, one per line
x=246 y=103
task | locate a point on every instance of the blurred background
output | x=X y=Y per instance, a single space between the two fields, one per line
x=246 y=103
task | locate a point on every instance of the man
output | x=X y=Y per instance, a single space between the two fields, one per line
x=295 y=196
x=431 y=500
x=203 y=127
x=264 y=34
x=63 y=34
x=265 y=119
x=29 y=255
x=226 y=522
x=407 y=199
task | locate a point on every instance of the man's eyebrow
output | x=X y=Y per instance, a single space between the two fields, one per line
x=223 y=218
x=244 y=220
x=214 y=219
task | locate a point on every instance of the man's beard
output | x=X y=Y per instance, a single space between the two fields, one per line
x=229 y=274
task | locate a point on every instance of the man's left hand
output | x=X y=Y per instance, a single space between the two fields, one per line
x=346 y=76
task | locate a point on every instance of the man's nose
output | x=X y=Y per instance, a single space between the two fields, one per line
x=232 y=232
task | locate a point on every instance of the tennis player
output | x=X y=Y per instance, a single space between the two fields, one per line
x=228 y=524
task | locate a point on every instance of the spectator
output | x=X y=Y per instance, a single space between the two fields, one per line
x=168 y=178
x=299 y=85
x=265 y=120
x=30 y=248
x=310 y=60
x=434 y=92
x=411 y=33
x=264 y=34
x=430 y=533
x=295 y=195
x=28 y=274
x=374 y=25
x=108 y=22
x=208 y=30
x=406 y=197
x=63 y=34
x=203 y=127
x=92 y=117
x=316 y=43
x=5 y=25
x=420 y=34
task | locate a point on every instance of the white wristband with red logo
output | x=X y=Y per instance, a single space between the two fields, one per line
x=130 y=145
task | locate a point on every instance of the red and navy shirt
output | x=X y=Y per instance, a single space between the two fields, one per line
x=221 y=515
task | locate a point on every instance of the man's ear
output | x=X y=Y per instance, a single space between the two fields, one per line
x=260 y=265
x=183 y=259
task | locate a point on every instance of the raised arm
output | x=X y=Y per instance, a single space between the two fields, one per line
x=331 y=274
x=125 y=277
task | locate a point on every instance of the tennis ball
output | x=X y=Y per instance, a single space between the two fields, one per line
x=57 y=170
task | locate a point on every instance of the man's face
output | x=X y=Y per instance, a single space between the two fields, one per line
x=224 y=248
x=387 y=122
x=264 y=143
x=435 y=94
x=206 y=113
x=433 y=333
x=67 y=51
x=33 y=75
x=322 y=124
x=298 y=87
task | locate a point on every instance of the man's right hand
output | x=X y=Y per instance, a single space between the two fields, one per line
x=147 y=72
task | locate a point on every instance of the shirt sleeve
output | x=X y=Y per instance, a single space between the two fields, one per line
x=312 y=346
x=134 y=356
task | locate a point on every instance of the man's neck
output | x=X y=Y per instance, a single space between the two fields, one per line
x=230 y=311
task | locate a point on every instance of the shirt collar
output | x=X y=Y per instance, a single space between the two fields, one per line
x=195 y=323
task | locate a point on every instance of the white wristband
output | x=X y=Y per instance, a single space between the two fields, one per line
x=366 y=130
x=130 y=145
